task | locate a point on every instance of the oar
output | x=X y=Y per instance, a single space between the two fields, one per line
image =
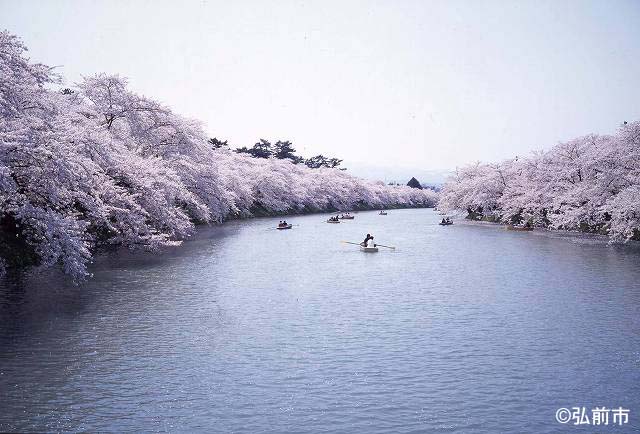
x=349 y=242
x=388 y=247
x=360 y=244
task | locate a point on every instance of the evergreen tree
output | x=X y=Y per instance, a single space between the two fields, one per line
x=284 y=150
x=262 y=149
x=217 y=144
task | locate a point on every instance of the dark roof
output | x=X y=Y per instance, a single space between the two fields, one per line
x=414 y=183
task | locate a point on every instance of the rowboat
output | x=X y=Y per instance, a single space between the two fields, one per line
x=519 y=228
x=289 y=226
x=333 y=221
x=445 y=224
x=368 y=249
x=382 y=213
x=347 y=217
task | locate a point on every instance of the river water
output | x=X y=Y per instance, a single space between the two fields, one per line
x=466 y=328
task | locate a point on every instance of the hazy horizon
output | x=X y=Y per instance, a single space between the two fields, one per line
x=429 y=85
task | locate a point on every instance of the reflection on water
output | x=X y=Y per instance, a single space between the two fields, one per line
x=245 y=328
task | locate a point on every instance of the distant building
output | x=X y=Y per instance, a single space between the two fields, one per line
x=414 y=183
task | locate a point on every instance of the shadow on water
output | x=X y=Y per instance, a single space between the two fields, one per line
x=32 y=301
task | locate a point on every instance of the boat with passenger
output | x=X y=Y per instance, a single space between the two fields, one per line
x=284 y=225
x=368 y=246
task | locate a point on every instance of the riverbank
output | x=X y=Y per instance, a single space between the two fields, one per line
x=600 y=230
x=262 y=212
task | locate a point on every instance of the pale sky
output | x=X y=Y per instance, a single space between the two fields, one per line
x=424 y=84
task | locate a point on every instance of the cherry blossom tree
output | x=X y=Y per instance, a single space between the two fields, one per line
x=98 y=165
x=587 y=184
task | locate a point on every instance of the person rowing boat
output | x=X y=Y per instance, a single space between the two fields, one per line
x=368 y=245
x=368 y=241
